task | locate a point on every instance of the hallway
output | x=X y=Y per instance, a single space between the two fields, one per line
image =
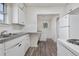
x=45 y=48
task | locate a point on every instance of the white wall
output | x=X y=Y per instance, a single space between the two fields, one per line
x=53 y=28
x=12 y=29
x=32 y=12
x=50 y=32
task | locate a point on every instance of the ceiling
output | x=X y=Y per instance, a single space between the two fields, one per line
x=46 y=4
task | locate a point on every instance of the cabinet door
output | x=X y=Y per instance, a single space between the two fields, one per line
x=2 y=52
x=71 y=7
x=62 y=51
x=21 y=5
x=27 y=43
x=1 y=49
x=13 y=42
x=64 y=33
x=64 y=21
x=17 y=50
x=74 y=26
x=18 y=14
x=14 y=13
x=21 y=16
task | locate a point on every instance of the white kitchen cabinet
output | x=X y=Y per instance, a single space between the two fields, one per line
x=18 y=16
x=71 y=7
x=21 y=5
x=1 y=52
x=18 y=46
x=64 y=33
x=64 y=21
x=14 y=13
x=14 y=41
x=21 y=16
x=27 y=43
x=63 y=51
x=74 y=27
x=17 y=50
x=1 y=49
x=68 y=27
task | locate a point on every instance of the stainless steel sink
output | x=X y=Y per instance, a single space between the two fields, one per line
x=73 y=41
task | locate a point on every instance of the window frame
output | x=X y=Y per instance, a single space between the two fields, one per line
x=3 y=12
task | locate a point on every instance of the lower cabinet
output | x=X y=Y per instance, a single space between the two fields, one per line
x=18 y=49
x=27 y=44
x=63 y=51
x=1 y=49
x=1 y=52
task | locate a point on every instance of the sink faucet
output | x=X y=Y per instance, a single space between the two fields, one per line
x=3 y=32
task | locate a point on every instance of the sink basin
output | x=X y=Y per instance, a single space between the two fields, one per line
x=74 y=41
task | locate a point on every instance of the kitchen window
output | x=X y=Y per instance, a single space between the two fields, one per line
x=2 y=12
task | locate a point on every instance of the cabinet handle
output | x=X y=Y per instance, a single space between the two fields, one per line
x=20 y=45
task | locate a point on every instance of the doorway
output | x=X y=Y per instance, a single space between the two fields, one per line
x=47 y=44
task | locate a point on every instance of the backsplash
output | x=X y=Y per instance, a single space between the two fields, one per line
x=11 y=29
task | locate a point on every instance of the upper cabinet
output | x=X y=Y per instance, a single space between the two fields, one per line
x=70 y=7
x=12 y=14
x=21 y=16
x=18 y=14
x=21 y=6
x=64 y=21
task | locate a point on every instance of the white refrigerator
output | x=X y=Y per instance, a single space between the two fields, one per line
x=69 y=27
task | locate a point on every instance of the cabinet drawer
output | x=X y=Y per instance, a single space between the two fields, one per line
x=17 y=50
x=14 y=41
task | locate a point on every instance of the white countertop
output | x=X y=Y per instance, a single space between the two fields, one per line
x=72 y=47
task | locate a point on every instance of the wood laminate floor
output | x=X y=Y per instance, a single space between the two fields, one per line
x=45 y=48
